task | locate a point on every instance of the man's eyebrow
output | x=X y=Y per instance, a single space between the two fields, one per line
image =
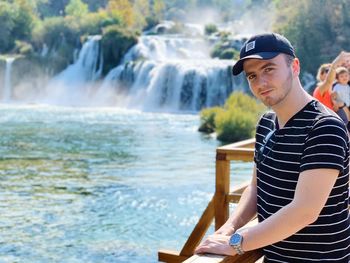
x=262 y=67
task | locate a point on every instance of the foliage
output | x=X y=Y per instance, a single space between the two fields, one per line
x=93 y=23
x=157 y=9
x=235 y=121
x=235 y=125
x=95 y=6
x=7 y=25
x=23 y=48
x=318 y=29
x=115 y=43
x=17 y=21
x=207 y=118
x=229 y=53
x=122 y=9
x=76 y=8
x=49 y=8
x=224 y=51
x=55 y=31
x=210 y=29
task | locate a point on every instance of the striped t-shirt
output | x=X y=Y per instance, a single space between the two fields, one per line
x=313 y=138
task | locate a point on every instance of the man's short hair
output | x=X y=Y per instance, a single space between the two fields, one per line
x=289 y=59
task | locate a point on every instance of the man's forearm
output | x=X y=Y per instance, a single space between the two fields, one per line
x=287 y=221
x=246 y=208
x=311 y=194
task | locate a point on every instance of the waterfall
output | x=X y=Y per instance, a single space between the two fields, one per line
x=171 y=73
x=73 y=85
x=7 y=92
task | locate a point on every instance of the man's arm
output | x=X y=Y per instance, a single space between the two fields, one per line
x=312 y=191
x=245 y=210
x=311 y=194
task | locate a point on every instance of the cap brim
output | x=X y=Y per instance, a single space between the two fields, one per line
x=238 y=67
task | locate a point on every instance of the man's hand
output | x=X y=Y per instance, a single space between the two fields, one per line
x=216 y=244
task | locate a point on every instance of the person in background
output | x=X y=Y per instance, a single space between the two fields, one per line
x=341 y=89
x=300 y=180
x=326 y=76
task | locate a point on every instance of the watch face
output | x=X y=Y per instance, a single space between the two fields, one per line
x=235 y=239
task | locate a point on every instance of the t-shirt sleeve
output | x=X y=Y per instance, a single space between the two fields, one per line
x=326 y=145
x=336 y=88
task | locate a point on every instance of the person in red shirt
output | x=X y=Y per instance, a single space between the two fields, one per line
x=326 y=76
x=322 y=91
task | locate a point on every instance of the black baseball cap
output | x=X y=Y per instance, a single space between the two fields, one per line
x=263 y=46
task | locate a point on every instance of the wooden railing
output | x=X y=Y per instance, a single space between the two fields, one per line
x=218 y=209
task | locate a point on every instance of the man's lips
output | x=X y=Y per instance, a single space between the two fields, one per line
x=265 y=92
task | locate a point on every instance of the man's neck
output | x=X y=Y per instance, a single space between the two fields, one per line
x=296 y=99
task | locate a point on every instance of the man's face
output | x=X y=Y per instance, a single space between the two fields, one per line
x=269 y=80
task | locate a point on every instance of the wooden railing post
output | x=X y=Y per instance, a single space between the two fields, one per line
x=222 y=189
x=217 y=208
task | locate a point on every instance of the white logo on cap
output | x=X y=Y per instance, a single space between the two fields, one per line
x=250 y=46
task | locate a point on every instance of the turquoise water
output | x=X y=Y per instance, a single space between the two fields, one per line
x=101 y=184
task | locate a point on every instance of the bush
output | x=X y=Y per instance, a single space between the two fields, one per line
x=223 y=51
x=76 y=8
x=207 y=118
x=23 y=48
x=229 y=53
x=54 y=30
x=150 y=22
x=115 y=43
x=235 y=121
x=93 y=23
x=235 y=125
x=210 y=29
x=240 y=100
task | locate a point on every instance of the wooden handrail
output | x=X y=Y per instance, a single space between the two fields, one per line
x=218 y=209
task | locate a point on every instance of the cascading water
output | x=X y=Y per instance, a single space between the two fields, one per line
x=7 y=92
x=171 y=73
x=73 y=85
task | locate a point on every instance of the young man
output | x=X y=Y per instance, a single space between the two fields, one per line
x=300 y=184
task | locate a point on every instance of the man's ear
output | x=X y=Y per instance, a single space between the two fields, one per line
x=296 y=67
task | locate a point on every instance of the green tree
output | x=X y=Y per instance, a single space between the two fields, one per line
x=157 y=8
x=76 y=8
x=24 y=19
x=7 y=25
x=49 y=8
x=17 y=22
x=142 y=11
x=122 y=9
x=318 y=29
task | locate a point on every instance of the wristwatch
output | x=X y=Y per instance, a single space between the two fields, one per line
x=236 y=242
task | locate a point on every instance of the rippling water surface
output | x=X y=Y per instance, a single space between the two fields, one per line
x=100 y=185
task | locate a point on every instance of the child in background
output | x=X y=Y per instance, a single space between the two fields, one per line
x=341 y=90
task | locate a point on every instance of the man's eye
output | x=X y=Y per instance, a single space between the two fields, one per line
x=268 y=69
x=251 y=77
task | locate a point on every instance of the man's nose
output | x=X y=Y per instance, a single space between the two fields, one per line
x=261 y=82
